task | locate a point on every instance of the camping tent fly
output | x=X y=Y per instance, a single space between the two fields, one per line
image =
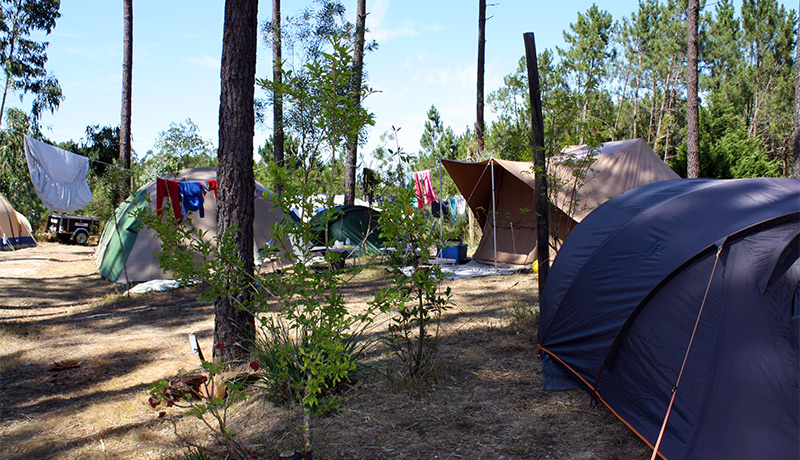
x=692 y=285
x=15 y=230
x=358 y=224
x=500 y=193
x=128 y=252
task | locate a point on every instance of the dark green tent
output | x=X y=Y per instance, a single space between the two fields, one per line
x=357 y=224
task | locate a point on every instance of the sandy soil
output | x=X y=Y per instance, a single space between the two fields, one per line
x=76 y=358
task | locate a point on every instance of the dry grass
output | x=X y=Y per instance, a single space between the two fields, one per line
x=486 y=403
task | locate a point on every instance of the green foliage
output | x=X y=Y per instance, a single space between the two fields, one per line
x=312 y=341
x=626 y=80
x=413 y=296
x=321 y=113
x=728 y=153
x=308 y=341
x=16 y=183
x=177 y=148
x=23 y=59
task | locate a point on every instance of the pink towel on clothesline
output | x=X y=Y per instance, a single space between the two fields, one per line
x=424 y=188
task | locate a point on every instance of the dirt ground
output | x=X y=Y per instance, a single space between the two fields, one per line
x=77 y=356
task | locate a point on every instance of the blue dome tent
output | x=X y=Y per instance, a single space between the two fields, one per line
x=677 y=305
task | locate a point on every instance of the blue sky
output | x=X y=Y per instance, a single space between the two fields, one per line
x=427 y=53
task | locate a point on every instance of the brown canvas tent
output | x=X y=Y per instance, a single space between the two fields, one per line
x=500 y=193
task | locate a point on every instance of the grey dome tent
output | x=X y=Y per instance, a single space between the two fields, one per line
x=128 y=253
x=691 y=285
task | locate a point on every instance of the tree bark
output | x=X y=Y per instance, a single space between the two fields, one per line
x=351 y=159
x=234 y=326
x=479 y=123
x=541 y=205
x=277 y=94
x=796 y=133
x=127 y=96
x=692 y=103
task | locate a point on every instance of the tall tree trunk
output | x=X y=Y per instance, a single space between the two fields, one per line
x=584 y=112
x=11 y=50
x=127 y=97
x=796 y=134
x=662 y=110
x=277 y=94
x=636 y=96
x=351 y=159
x=692 y=103
x=479 y=125
x=234 y=327
x=621 y=103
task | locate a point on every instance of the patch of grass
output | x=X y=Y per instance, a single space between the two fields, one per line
x=524 y=314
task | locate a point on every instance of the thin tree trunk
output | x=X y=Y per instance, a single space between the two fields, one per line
x=127 y=95
x=351 y=159
x=621 y=102
x=636 y=97
x=661 y=111
x=11 y=50
x=479 y=124
x=277 y=94
x=584 y=112
x=5 y=94
x=234 y=326
x=796 y=134
x=692 y=103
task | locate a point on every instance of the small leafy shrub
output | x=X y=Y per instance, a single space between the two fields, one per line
x=414 y=294
x=209 y=405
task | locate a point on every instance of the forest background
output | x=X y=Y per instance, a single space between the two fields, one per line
x=615 y=78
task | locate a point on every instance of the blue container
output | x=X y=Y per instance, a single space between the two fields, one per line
x=455 y=251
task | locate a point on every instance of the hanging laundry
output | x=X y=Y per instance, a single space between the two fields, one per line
x=453 y=206
x=439 y=208
x=168 y=188
x=192 y=197
x=461 y=206
x=212 y=185
x=59 y=176
x=424 y=188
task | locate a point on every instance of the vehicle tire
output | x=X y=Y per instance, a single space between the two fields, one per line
x=80 y=237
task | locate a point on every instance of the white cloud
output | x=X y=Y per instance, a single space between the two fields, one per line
x=384 y=31
x=204 y=61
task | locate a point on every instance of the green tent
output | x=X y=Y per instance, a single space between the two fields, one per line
x=356 y=224
x=129 y=253
x=118 y=239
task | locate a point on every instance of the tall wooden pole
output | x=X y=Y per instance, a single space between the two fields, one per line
x=542 y=207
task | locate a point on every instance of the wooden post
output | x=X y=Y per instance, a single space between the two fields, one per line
x=542 y=207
